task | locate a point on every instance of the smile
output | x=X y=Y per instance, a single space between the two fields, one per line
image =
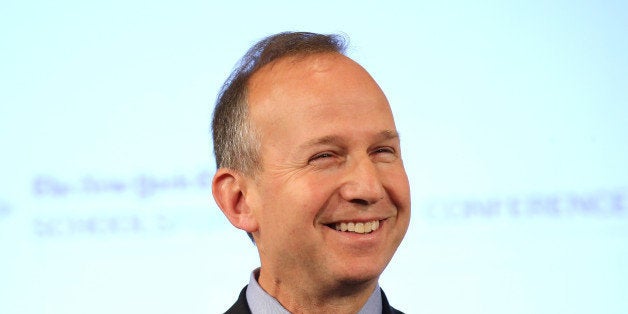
x=357 y=227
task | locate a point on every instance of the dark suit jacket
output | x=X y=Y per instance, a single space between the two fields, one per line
x=242 y=307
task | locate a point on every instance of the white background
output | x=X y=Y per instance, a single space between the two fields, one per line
x=514 y=125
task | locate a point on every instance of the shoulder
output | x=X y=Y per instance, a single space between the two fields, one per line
x=386 y=307
x=240 y=306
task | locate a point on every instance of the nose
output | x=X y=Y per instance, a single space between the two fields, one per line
x=362 y=184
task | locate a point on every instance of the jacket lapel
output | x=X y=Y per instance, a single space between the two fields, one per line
x=241 y=306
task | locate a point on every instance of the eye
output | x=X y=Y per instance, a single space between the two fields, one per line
x=321 y=156
x=384 y=154
x=382 y=150
x=324 y=160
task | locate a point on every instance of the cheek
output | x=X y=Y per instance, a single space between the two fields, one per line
x=396 y=183
x=319 y=187
x=308 y=197
x=291 y=204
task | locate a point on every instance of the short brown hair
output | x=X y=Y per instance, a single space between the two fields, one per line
x=236 y=145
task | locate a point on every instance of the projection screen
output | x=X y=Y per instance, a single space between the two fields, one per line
x=513 y=119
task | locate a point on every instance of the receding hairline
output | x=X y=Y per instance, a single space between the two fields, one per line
x=291 y=60
x=268 y=73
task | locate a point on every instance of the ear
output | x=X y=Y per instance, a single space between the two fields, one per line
x=229 y=190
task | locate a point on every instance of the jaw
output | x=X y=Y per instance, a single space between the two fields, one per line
x=325 y=259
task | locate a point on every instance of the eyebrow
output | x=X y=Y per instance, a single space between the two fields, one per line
x=334 y=139
x=389 y=134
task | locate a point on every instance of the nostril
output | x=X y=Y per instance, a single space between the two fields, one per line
x=359 y=201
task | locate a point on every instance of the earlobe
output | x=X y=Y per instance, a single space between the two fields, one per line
x=229 y=190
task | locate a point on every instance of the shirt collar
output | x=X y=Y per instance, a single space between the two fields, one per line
x=261 y=302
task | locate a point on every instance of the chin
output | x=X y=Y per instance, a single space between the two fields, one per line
x=357 y=280
x=358 y=274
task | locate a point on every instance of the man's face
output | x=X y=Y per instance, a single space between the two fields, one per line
x=330 y=158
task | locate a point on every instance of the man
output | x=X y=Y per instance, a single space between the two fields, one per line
x=309 y=165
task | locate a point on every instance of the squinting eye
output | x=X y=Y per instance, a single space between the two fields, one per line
x=321 y=156
x=323 y=160
x=384 y=150
x=384 y=154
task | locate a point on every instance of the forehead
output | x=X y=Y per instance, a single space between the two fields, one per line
x=298 y=66
x=305 y=83
x=296 y=99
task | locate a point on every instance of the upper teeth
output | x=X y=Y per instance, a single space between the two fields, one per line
x=358 y=227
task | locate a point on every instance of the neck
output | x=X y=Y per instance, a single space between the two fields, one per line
x=300 y=295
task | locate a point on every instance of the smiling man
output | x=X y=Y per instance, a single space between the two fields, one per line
x=309 y=165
